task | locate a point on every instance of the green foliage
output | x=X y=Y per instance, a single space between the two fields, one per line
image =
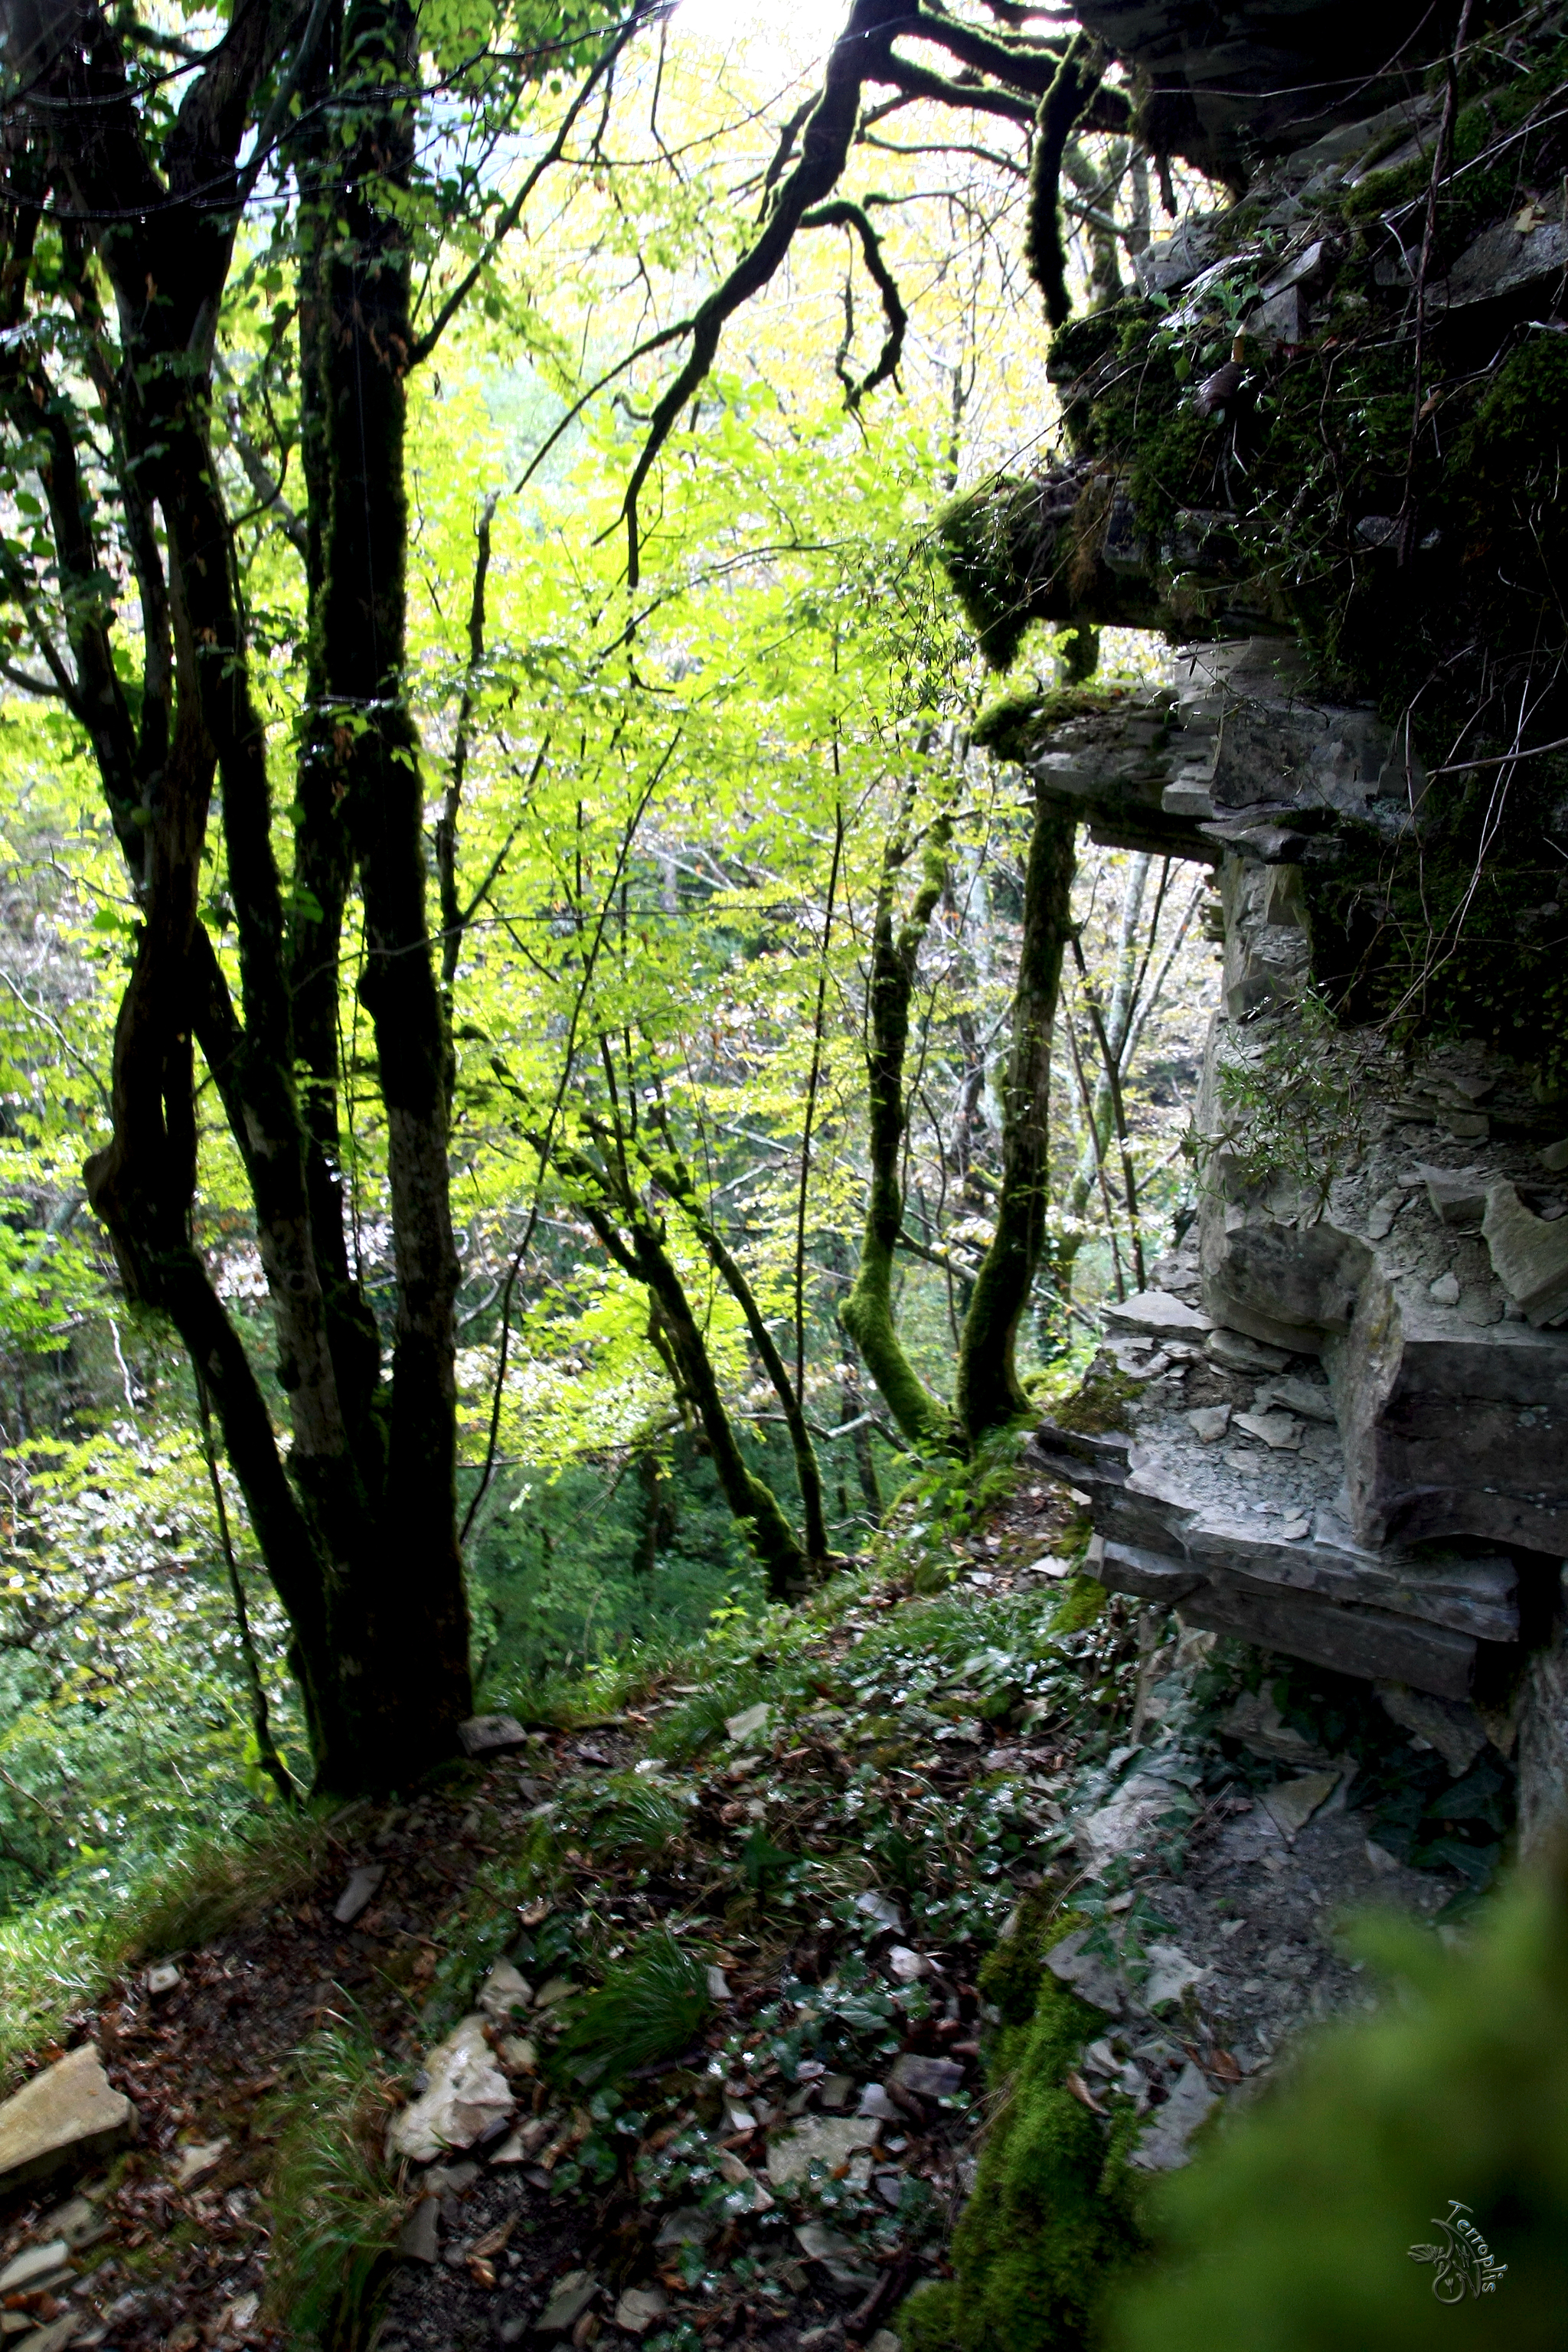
x=58 y=1953
x=648 y=2006
x=334 y=2214
x=1053 y=2214
x=1293 y=2232
x=621 y=1814
x=1289 y=1097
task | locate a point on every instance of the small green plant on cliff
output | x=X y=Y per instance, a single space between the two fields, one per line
x=1290 y=1102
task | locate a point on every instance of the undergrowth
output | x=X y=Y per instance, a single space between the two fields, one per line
x=335 y=2211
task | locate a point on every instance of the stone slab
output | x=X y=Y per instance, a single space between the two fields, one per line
x=466 y=2095
x=1158 y=1314
x=68 y=2115
x=490 y=1735
x=1530 y=1255
x=1360 y=1642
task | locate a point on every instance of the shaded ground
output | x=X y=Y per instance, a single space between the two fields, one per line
x=843 y=1862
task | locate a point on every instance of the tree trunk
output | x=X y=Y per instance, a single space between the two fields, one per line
x=989 y=1394
x=868 y=1312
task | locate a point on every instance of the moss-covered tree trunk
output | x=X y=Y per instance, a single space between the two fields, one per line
x=868 y=1312
x=988 y=1392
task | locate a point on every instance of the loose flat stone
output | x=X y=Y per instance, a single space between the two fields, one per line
x=1162 y=2144
x=419 y=2241
x=1159 y=1313
x=836 y=2092
x=828 y=2140
x=1450 y=1725
x=1255 y=1720
x=717 y=1984
x=842 y=2258
x=1444 y=1291
x=467 y=2095
x=689 y=2225
x=202 y=2158
x=750 y=1724
x=163 y=1977
x=930 y=2078
x=1208 y=1423
x=569 y=2299
x=519 y=2055
x=1279 y=1430
x=1290 y=1804
x=37 y=2263
x=1232 y=1352
x=875 y=2102
x=1089 y=1975
x=504 y=1989
x=68 y=2114
x=1172 y=1973
x=53 y=2338
x=876 y=1907
x=1529 y=1254
x=356 y=1896
x=639 y=2308
x=1555 y=1157
x=1458 y=1195
x=908 y=1966
x=490 y=1735
x=1291 y=1395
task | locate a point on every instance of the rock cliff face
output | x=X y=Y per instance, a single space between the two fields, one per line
x=1320 y=449
x=1351 y=1442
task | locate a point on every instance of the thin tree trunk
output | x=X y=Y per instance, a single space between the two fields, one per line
x=868 y=1312
x=989 y=1391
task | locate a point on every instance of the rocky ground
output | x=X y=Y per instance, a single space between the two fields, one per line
x=691 y=1996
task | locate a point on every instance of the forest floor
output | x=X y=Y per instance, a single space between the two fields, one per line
x=734 y=2055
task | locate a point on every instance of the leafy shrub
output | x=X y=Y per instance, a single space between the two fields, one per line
x=1292 y=2233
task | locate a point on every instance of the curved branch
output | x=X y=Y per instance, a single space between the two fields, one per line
x=844 y=213
x=1077 y=79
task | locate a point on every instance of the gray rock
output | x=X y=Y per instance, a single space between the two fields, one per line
x=1450 y=1726
x=1444 y=1291
x=419 y=2241
x=490 y=1735
x=844 y=2259
x=162 y=1978
x=835 y=2092
x=1090 y=1975
x=1311 y=1401
x=1555 y=1157
x=1162 y=2144
x=466 y=2095
x=1255 y=1720
x=1172 y=1974
x=1457 y=1196
x=1290 y=1804
x=750 y=1724
x=688 y=2225
x=639 y=2307
x=1159 y=1313
x=363 y=1884
x=569 y=2299
x=1529 y=1256
x=828 y=2140
x=504 y=1990
x=1127 y=1825
x=1232 y=1352
x=875 y=2102
x=929 y=2078
x=68 y=2114
x=33 y=2265
x=52 y=2338
x=1209 y=1423
x=878 y=1906
x=1279 y=1430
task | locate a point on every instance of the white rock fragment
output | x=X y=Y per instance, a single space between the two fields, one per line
x=1162 y=2144
x=1281 y=1430
x=908 y=1966
x=750 y=1724
x=1172 y=1973
x=717 y=1984
x=68 y=2114
x=876 y=1907
x=1209 y=1423
x=197 y=2159
x=37 y=2263
x=639 y=2307
x=162 y=1978
x=1290 y=1804
x=504 y=1990
x=828 y=2140
x=569 y=2299
x=356 y=1896
x=466 y=2094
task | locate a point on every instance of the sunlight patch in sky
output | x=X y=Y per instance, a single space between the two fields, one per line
x=790 y=33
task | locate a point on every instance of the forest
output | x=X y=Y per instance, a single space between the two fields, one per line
x=613 y=1075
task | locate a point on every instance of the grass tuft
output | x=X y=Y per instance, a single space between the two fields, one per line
x=335 y=2214
x=649 y=2006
